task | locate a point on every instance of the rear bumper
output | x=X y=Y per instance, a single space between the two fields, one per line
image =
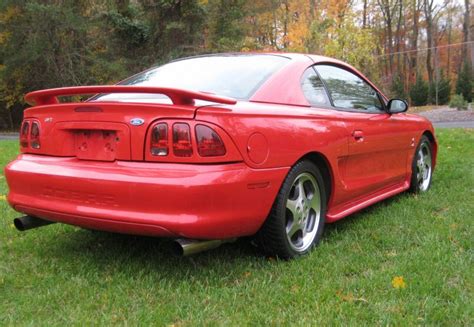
x=155 y=199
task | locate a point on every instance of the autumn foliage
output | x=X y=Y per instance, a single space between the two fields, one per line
x=394 y=42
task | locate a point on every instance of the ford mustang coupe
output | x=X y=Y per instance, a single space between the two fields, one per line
x=211 y=148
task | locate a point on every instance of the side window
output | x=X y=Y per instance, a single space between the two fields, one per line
x=313 y=89
x=348 y=90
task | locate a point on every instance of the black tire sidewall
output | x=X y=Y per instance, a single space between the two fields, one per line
x=301 y=167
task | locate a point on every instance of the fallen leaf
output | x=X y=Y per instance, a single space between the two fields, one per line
x=295 y=289
x=398 y=282
x=391 y=253
x=453 y=240
x=350 y=297
x=441 y=210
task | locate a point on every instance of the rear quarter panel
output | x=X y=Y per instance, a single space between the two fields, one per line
x=289 y=132
x=273 y=136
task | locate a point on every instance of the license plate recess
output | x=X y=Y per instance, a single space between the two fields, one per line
x=95 y=144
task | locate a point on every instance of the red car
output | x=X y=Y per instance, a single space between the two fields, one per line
x=211 y=148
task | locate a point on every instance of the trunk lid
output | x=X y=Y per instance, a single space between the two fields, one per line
x=103 y=131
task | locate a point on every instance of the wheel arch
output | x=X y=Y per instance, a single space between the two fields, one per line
x=326 y=171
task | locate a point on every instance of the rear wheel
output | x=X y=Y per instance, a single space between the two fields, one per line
x=296 y=221
x=422 y=167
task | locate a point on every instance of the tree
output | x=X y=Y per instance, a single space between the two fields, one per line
x=465 y=29
x=77 y=42
x=55 y=50
x=432 y=13
x=388 y=9
x=464 y=82
x=419 y=92
x=226 y=28
x=416 y=6
x=443 y=88
x=175 y=28
x=398 y=88
x=458 y=102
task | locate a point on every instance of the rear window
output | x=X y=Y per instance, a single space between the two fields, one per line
x=236 y=76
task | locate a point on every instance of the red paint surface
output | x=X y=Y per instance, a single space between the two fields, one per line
x=94 y=169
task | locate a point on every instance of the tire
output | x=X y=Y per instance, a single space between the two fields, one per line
x=422 y=167
x=296 y=221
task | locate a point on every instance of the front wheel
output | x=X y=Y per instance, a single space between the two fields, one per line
x=296 y=221
x=422 y=166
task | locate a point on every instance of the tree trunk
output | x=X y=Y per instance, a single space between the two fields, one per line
x=385 y=7
x=465 y=30
x=364 y=15
x=468 y=31
x=450 y=29
x=398 y=39
x=10 y=119
x=286 y=19
x=429 y=38
x=313 y=5
x=414 y=41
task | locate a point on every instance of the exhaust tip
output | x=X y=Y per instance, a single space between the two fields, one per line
x=28 y=222
x=177 y=248
x=186 y=247
x=18 y=222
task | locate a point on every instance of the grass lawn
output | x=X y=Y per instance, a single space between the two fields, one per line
x=61 y=274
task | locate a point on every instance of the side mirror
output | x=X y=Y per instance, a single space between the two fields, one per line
x=396 y=106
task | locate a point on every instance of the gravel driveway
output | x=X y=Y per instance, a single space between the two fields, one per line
x=448 y=118
x=8 y=136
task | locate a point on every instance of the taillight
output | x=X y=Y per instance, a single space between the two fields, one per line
x=159 y=140
x=209 y=143
x=25 y=128
x=34 y=135
x=189 y=142
x=182 y=146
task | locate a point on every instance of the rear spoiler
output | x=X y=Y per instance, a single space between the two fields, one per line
x=177 y=96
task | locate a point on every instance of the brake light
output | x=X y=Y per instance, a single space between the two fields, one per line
x=159 y=140
x=188 y=141
x=209 y=143
x=182 y=146
x=25 y=128
x=34 y=135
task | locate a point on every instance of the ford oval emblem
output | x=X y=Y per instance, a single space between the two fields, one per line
x=137 y=121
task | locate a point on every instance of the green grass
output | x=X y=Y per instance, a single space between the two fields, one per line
x=61 y=274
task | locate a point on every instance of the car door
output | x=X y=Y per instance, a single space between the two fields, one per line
x=378 y=145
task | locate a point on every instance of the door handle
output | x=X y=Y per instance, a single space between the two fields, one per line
x=358 y=135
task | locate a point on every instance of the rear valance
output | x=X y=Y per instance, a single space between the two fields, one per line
x=177 y=96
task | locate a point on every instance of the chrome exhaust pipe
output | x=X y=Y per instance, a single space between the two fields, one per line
x=187 y=247
x=29 y=222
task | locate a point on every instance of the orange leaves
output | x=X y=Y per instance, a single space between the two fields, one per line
x=398 y=282
x=4 y=36
x=8 y=14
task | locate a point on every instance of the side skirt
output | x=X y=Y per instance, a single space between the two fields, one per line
x=340 y=212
